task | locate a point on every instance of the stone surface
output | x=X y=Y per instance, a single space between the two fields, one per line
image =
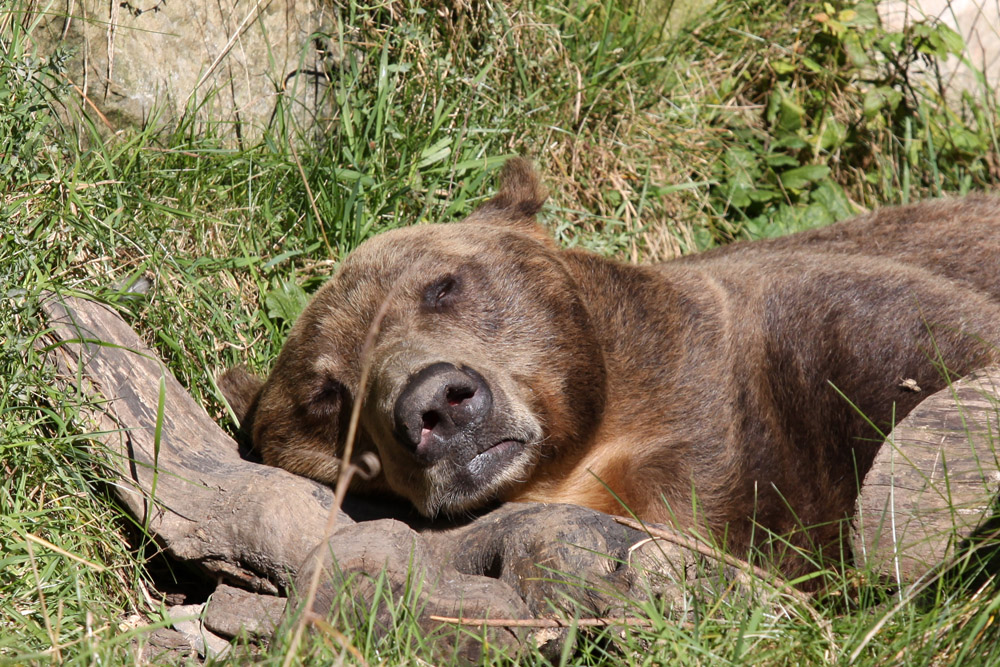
x=228 y=60
x=977 y=21
x=187 y=620
x=165 y=646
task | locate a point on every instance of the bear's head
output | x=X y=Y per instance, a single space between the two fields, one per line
x=468 y=344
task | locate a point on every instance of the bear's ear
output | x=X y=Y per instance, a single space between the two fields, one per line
x=241 y=389
x=519 y=199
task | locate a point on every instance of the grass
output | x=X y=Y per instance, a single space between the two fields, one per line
x=753 y=119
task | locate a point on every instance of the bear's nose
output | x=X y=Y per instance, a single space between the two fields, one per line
x=437 y=405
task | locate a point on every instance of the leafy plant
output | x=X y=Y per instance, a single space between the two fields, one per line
x=836 y=105
x=30 y=91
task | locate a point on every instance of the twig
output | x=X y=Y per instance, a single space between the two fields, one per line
x=104 y=119
x=157 y=149
x=112 y=31
x=347 y=471
x=544 y=622
x=309 y=194
x=45 y=543
x=41 y=599
x=711 y=552
x=252 y=14
x=338 y=636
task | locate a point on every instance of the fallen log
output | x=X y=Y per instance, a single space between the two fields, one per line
x=182 y=477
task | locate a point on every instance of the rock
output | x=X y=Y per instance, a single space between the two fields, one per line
x=150 y=61
x=186 y=619
x=165 y=646
x=977 y=21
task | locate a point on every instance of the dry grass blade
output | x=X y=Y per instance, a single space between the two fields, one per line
x=62 y=552
x=53 y=638
x=312 y=199
x=347 y=472
x=347 y=469
x=741 y=566
x=251 y=15
x=343 y=640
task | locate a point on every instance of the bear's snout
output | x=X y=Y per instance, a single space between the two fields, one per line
x=439 y=406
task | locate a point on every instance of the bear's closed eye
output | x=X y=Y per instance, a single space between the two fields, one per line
x=441 y=293
x=326 y=397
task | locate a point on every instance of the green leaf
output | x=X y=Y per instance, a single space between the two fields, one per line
x=760 y=195
x=834 y=134
x=782 y=67
x=433 y=154
x=953 y=41
x=286 y=302
x=738 y=197
x=881 y=97
x=789 y=115
x=812 y=65
x=855 y=51
x=833 y=199
x=865 y=15
x=939 y=40
x=741 y=166
x=775 y=160
x=799 y=178
x=351 y=175
x=791 y=141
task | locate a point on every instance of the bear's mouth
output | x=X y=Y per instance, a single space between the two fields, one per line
x=478 y=475
x=485 y=462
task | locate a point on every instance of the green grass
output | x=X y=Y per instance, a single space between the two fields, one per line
x=753 y=119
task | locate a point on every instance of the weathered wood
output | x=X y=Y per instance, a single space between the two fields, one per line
x=232 y=612
x=934 y=482
x=520 y=561
x=204 y=503
x=359 y=556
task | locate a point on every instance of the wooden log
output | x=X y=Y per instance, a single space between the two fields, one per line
x=934 y=484
x=182 y=477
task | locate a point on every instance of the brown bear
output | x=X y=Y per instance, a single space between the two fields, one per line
x=743 y=391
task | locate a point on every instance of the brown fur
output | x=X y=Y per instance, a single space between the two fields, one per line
x=713 y=392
